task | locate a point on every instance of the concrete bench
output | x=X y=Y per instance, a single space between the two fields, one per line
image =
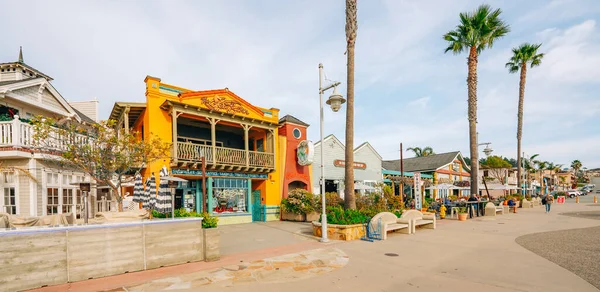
x=419 y=219
x=526 y=204
x=389 y=222
x=490 y=209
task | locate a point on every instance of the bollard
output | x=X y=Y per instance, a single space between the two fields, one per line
x=577 y=199
x=595 y=200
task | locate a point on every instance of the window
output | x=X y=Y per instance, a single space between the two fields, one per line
x=9 y=200
x=67 y=202
x=297 y=134
x=52 y=205
x=230 y=195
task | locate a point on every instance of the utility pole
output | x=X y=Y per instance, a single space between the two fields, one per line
x=401 y=175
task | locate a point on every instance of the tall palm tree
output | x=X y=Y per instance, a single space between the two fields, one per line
x=420 y=152
x=476 y=31
x=523 y=55
x=351 y=28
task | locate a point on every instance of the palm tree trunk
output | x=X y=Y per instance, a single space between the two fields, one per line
x=351 y=27
x=472 y=90
x=520 y=120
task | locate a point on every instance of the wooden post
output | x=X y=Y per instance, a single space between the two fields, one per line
x=174 y=134
x=213 y=137
x=204 y=194
x=246 y=142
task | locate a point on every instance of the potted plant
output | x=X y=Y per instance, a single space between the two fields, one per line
x=211 y=237
x=462 y=214
x=425 y=206
x=300 y=205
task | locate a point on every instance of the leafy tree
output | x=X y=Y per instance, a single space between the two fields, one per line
x=467 y=160
x=576 y=166
x=420 y=152
x=513 y=162
x=476 y=31
x=351 y=28
x=496 y=167
x=105 y=154
x=523 y=55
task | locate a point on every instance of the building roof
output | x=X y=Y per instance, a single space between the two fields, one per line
x=425 y=163
x=83 y=117
x=135 y=110
x=9 y=82
x=292 y=120
x=368 y=145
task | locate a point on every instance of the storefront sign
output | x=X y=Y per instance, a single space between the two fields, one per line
x=305 y=153
x=342 y=163
x=218 y=173
x=417 y=188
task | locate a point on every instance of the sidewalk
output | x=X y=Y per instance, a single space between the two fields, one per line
x=477 y=255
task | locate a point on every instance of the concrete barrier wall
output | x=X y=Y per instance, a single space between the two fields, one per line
x=36 y=257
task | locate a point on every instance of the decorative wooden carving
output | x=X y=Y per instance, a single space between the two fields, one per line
x=220 y=104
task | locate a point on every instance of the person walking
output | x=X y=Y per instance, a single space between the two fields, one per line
x=549 y=200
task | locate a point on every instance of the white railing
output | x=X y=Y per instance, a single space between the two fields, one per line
x=187 y=151
x=20 y=134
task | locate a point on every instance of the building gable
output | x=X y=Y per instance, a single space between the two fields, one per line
x=39 y=93
x=224 y=101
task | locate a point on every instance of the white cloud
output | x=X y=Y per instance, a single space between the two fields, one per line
x=420 y=102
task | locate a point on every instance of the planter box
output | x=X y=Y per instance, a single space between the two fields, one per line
x=211 y=244
x=314 y=216
x=340 y=232
x=292 y=217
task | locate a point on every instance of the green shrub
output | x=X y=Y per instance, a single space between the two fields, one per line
x=337 y=215
x=332 y=199
x=209 y=221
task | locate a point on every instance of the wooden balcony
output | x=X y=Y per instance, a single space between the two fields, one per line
x=223 y=158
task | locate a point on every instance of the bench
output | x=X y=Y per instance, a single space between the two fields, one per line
x=389 y=222
x=419 y=219
x=500 y=209
x=490 y=209
x=526 y=204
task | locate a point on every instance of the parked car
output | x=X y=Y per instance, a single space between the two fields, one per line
x=597 y=191
x=572 y=193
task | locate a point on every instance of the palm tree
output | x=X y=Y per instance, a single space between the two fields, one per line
x=522 y=55
x=476 y=31
x=576 y=166
x=541 y=166
x=351 y=28
x=426 y=151
x=529 y=164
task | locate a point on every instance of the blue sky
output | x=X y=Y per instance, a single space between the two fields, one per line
x=407 y=89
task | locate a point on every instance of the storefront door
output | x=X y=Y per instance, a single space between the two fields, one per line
x=257 y=212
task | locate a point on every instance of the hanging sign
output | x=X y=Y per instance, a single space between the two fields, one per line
x=417 y=190
x=305 y=153
x=342 y=163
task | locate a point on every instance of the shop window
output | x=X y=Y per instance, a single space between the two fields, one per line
x=52 y=201
x=230 y=195
x=10 y=201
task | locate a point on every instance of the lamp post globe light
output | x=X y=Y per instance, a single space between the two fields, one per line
x=335 y=101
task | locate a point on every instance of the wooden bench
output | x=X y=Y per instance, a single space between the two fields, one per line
x=389 y=222
x=419 y=219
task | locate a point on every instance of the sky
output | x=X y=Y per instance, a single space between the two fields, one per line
x=267 y=51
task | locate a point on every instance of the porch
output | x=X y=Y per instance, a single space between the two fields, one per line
x=16 y=134
x=226 y=143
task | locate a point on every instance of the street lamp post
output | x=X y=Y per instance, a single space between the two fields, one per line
x=487 y=151
x=335 y=101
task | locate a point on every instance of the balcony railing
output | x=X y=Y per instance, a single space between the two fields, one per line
x=19 y=134
x=190 y=152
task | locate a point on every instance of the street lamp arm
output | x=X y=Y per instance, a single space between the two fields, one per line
x=322 y=90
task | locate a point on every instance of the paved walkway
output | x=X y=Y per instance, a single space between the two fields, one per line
x=477 y=255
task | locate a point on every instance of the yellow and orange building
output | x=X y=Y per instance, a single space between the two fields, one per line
x=239 y=144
